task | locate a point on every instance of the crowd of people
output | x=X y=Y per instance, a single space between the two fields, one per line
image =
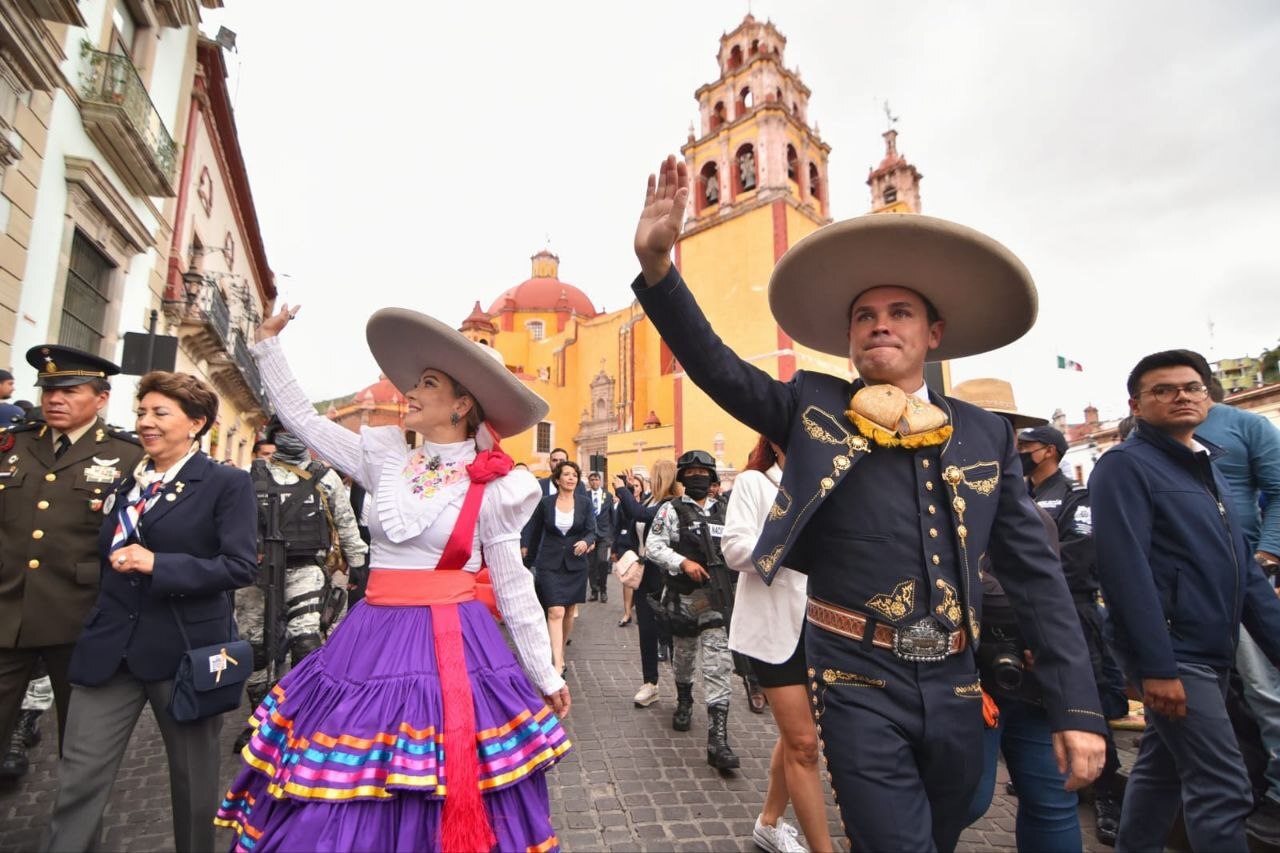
x=964 y=599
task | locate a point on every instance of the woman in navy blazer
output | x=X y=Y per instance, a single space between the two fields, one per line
x=561 y=553
x=193 y=544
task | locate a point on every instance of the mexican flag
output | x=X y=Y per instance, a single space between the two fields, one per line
x=1068 y=364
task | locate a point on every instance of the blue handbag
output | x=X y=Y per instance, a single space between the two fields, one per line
x=210 y=680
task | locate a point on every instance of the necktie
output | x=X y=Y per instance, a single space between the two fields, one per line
x=61 y=446
x=595 y=499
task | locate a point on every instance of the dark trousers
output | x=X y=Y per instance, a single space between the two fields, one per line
x=903 y=742
x=1108 y=783
x=101 y=721
x=647 y=623
x=1194 y=763
x=16 y=669
x=598 y=573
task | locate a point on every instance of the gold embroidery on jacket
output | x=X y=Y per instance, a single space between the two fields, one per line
x=768 y=561
x=781 y=505
x=969 y=691
x=850 y=679
x=950 y=606
x=898 y=603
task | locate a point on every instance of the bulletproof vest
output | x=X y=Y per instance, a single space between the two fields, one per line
x=304 y=524
x=693 y=544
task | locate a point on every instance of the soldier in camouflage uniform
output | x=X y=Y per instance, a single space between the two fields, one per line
x=320 y=507
x=685 y=540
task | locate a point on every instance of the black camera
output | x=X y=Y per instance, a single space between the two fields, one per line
x=1000 y=658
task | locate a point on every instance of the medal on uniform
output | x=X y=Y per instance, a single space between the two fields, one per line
x=12 y=459
x=179 y=486
x=95 y=504
x=102 y=471
x=108 y=504
x=171 y=497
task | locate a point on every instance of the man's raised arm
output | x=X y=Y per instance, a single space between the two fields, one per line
x=747 y=393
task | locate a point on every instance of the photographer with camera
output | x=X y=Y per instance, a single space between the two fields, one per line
x=1047 y=818
x=685 y=541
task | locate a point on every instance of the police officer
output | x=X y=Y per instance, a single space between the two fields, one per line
x=313 y=504
x=685 y=541
x=53 y=476
x=1041 y=450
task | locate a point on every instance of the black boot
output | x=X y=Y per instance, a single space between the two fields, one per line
x=682 y=719
x=604 y=595
x=719 y=754
x=595 y=596
x=15 y=764
x=29 y=725
x=1106 y=813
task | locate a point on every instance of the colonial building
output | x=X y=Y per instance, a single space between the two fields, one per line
x=218 y=285
x=93 y=98
x=618 y=398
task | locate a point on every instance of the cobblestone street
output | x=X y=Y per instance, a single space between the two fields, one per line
x=631 y=783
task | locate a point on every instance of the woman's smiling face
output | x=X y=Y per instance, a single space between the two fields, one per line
x=432 y=402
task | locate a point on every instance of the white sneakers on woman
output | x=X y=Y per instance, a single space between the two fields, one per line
x=646 y=695
x=782 y=838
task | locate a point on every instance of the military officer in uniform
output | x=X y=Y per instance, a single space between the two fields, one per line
x=53 y=479
x=890 y=497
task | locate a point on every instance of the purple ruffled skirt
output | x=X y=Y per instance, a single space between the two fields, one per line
x=348 y=750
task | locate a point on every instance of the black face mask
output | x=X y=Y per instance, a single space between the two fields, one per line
x=696 y=486
x=289 y=449
x=1028 y=462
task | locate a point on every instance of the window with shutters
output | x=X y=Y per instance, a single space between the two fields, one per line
x=84 y=307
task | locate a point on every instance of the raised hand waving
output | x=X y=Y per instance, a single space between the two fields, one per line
x=660 y=222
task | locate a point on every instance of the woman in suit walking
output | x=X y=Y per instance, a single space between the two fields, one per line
x=178 y=537
x=561 y=540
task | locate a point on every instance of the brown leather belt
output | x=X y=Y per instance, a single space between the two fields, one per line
x=924 y=641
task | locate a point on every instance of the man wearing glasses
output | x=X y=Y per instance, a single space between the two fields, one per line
x=1179 y=582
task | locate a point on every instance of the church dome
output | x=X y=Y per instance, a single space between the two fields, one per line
x=379 y=393
x=544 y=291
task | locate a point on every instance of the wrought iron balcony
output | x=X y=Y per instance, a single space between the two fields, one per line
x=119 y=115
x=249 y=372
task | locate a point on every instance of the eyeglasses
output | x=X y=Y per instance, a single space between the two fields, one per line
x=1194 y=391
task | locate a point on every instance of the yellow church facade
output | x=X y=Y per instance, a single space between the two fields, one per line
x=618 y=398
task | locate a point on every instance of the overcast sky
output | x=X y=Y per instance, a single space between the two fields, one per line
x=417 y=154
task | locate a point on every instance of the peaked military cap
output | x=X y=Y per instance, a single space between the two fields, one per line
x=62 y=367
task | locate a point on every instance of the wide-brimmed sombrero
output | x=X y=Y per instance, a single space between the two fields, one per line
x=978 y=286
x=995 y=395
x=405 y=343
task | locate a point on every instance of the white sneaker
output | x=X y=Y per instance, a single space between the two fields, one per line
x=646 y=695
x=782 y=838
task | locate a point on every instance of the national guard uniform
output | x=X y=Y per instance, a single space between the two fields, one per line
x=888 y=502
x=685 y=528
x=52 y=487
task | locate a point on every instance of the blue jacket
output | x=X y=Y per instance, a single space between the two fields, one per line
x=1250 y=464
x=806 y=416
x=1175 y=571
x=205 y=543
x=551 y=550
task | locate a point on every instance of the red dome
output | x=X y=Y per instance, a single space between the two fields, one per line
x=379 y=393
x=544 y=294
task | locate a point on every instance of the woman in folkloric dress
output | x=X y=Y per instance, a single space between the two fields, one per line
x=414 y=728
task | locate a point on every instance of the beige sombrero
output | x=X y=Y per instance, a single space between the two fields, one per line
x=405 y=343
x=978 y=286
x=996 y=396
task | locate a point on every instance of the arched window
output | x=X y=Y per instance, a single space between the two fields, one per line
x=735 y=56
x=815 y=184
x=745 y=101
x=601 y=410
x=793 y=164
x=717 y=115
x=708 y=186
x=890 y=194
x=755 y=47
x=536 y=330
x=777 y=95
x=744 y=169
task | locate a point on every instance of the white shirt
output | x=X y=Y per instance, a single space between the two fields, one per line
x=564 y=520
x=413 y=505
x=766 y=618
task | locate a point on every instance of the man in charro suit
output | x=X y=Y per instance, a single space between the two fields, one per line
x=53 y=479
x=891 y=496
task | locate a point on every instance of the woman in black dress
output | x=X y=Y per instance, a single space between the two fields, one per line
x=561 y=540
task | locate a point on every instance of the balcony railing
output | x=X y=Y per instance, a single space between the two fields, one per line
x=124 y=122
x=249 y=370
x=210 y=307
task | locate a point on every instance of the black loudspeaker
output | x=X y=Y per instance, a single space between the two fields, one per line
x=164 y=355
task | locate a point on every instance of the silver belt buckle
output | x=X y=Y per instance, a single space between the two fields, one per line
x=923 y=642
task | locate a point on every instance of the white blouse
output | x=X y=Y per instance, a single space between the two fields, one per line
x=415 y=497
x=564 y=520
x=766 y=618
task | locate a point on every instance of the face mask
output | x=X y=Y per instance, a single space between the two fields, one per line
x=1028 y=462
x=696 y=486
x=289 y=449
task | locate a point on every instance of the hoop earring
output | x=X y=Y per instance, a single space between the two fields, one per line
x=454 y=418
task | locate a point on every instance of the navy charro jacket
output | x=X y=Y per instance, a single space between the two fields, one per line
x=205 y=542
x=980 y=467
x=1175 y=570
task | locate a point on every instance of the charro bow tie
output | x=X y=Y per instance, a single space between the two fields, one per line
x=891 y=417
